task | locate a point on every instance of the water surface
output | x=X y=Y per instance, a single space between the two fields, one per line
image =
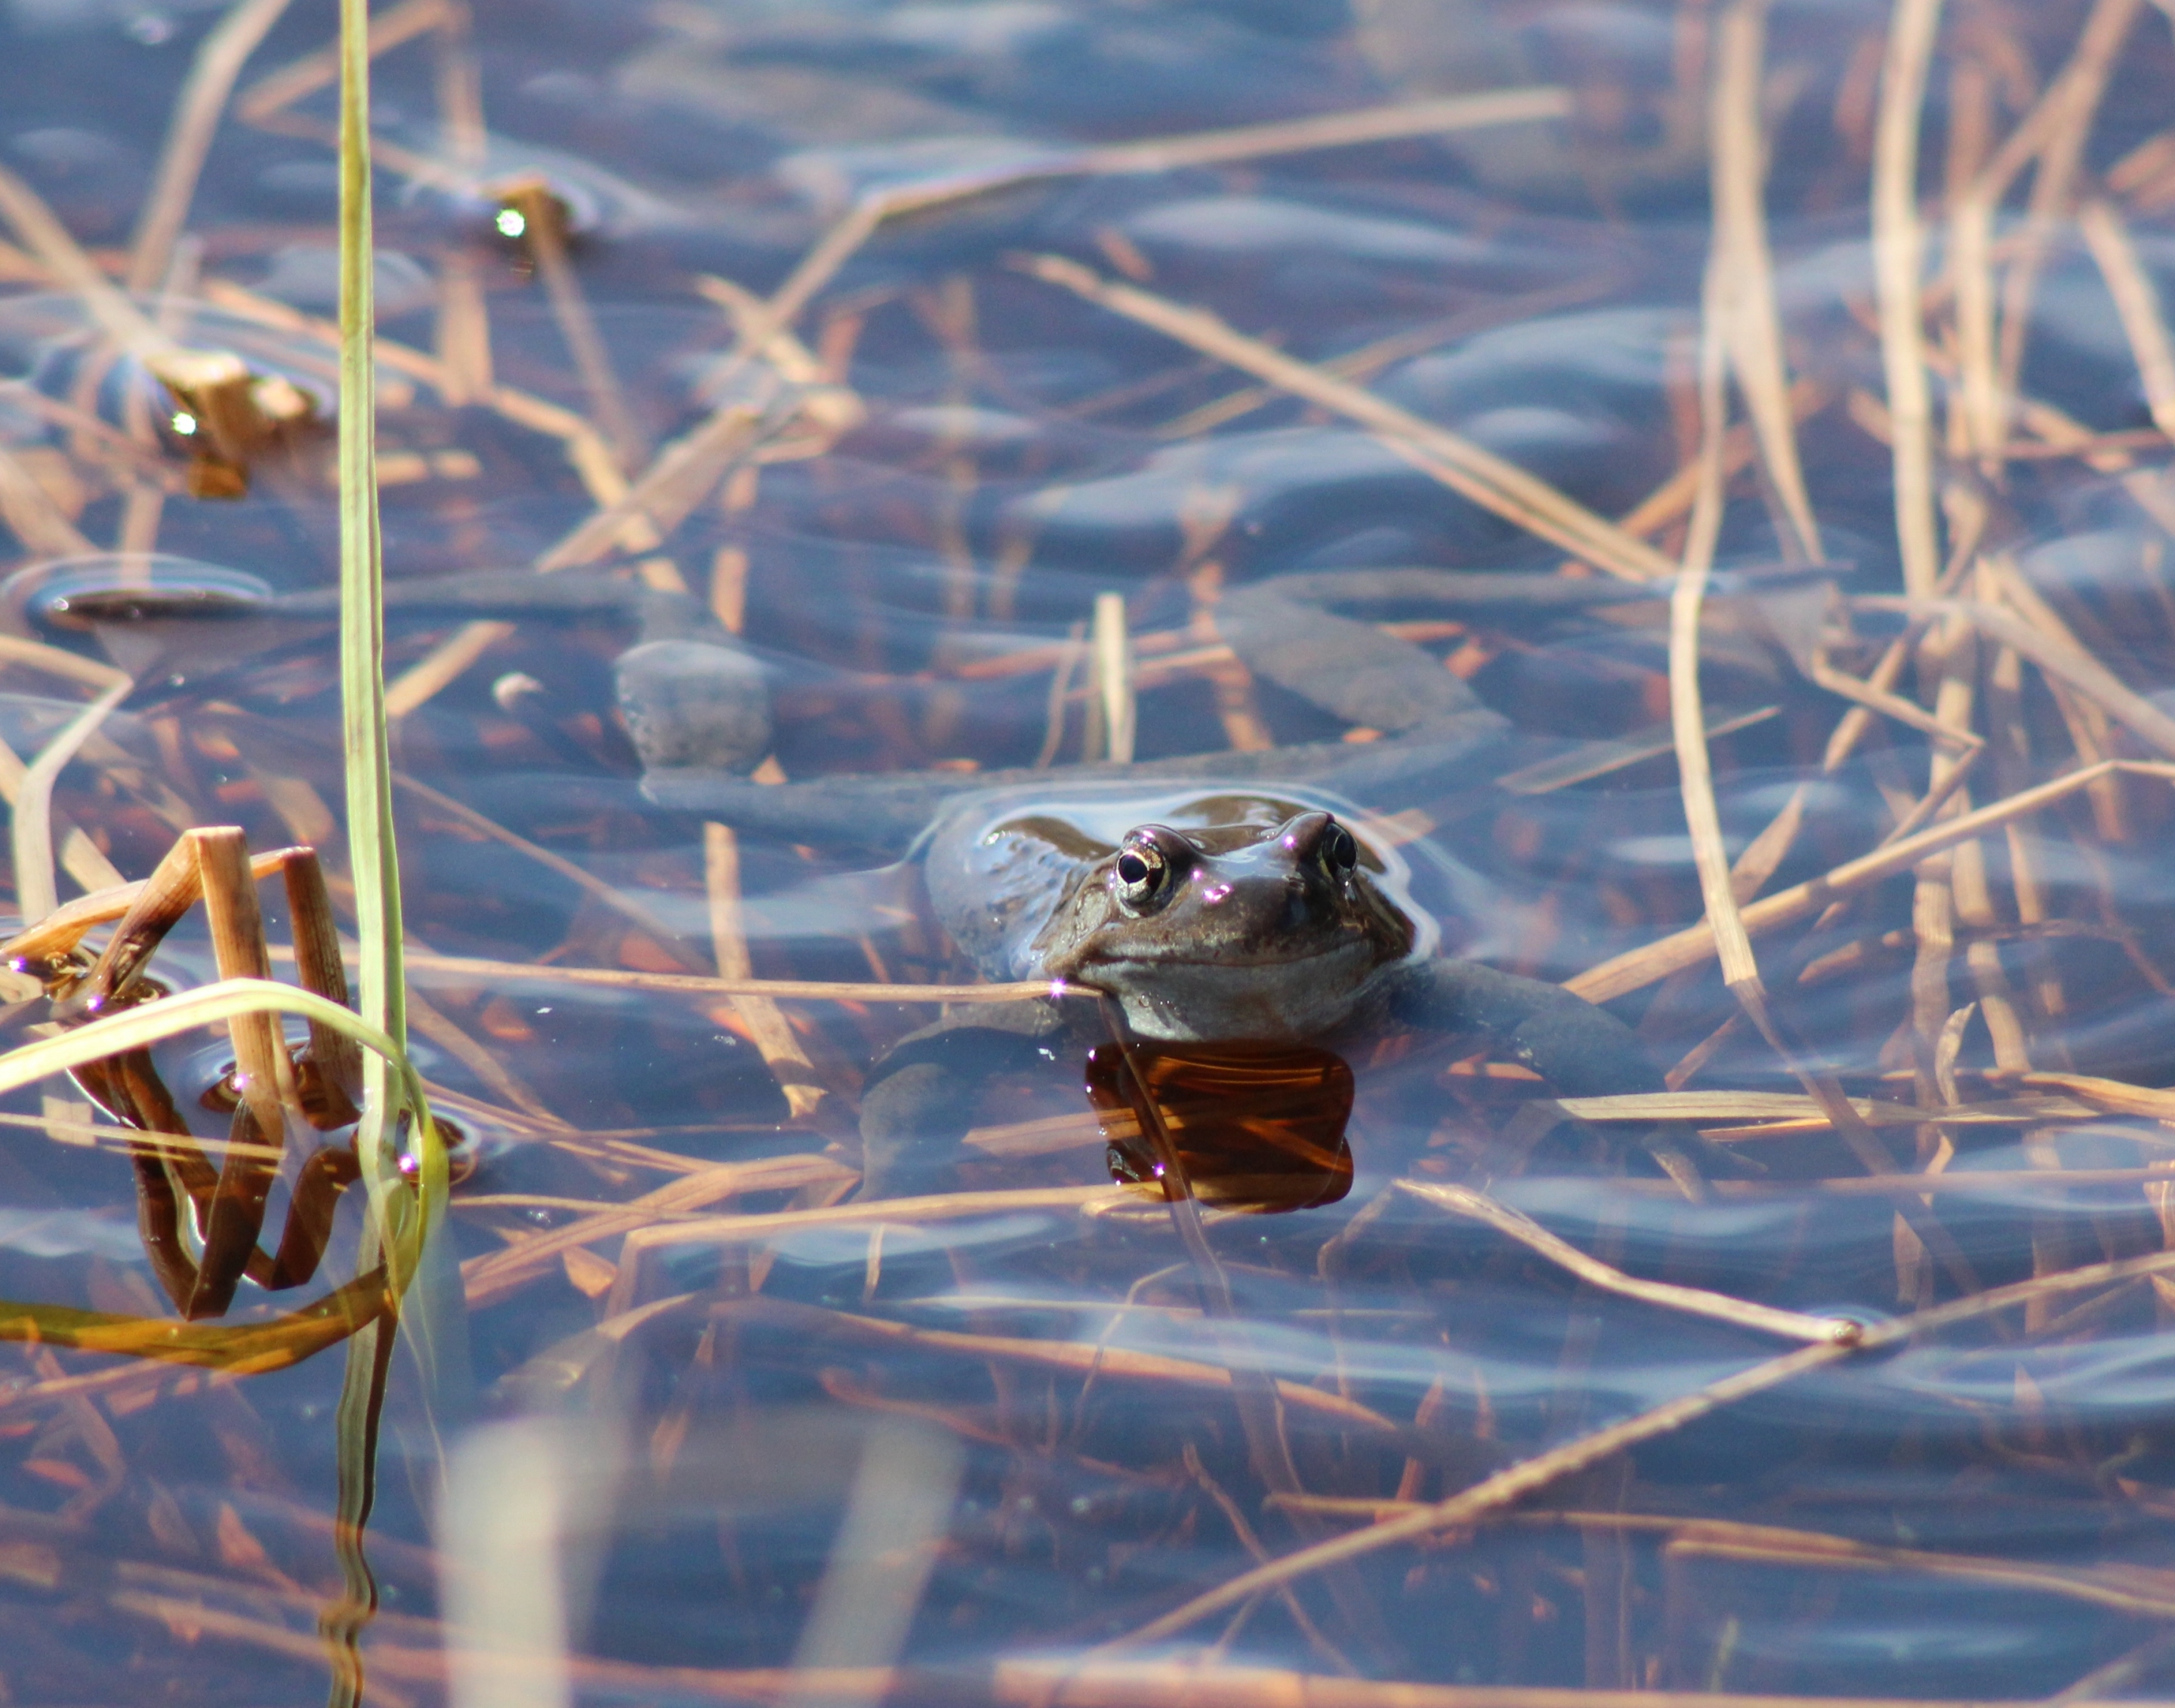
x=1029 y=1418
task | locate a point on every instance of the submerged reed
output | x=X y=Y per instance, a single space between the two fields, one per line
x=2014 y=735
x=404 y=1167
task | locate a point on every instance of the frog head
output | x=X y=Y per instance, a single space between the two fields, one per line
x=1237 y=931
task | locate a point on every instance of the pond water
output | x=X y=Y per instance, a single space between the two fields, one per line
x=791 y=414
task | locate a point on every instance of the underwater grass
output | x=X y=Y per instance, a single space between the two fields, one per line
x=2013 y=806
x=394 y=1092
x=399 y=1224
x=403 y=1206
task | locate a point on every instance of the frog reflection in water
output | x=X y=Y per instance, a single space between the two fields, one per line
x=1242 y=918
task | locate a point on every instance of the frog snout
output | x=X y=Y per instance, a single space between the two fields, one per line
x=1318 y=856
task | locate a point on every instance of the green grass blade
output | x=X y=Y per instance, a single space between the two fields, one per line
x=247 y=1348
x=373 y=862
x=361 y=1409
x=400 y=1223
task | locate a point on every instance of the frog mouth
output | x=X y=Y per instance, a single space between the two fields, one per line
x=1342 y=944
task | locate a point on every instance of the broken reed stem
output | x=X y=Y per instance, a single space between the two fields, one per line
x=812 y=989
x=2071 y=102
x=1369 y=359
x=68 y=666
x=127 y=1139
x=320 y=967
x=667 y=490
x=1893 y=707
x=31 y=512
x=2137 y=302
x=264 y=1073
x=582 y=879
x=766 y=1024
x=442 y=666
x=1479 y=475
x=1691 y=947
x=59 y=931
x=2055 y=655
x=1695 y=1301
x=1740 y=969
x=459 y=87
x=2111 y=1094
x=1936 y=797
x=62 y=258
x=702 y=450
x=2107 y=1589
x=155 y=906
x=498 y=1275
x=1112 y=677
x=1102 y=1363
x=1507 y=1487
x=1898 y=247
x=1725 y=1539
x=219 y=62
x=1687 y=716
x=1751 y=328
x=1777 y=1110
x=320 y=67
x=1439 y=118
x=37 y=894
x=217 y=387
x=1336 y=130
x=545 y=232
x=1489 y=1495
x=903 y=1213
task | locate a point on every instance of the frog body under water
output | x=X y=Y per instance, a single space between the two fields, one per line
x=1246 y=917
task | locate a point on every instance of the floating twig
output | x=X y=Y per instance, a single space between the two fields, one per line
x=1488 y=480
x=1791 y=1325
x=1506 y=1487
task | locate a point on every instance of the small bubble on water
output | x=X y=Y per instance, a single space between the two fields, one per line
x=151 y=29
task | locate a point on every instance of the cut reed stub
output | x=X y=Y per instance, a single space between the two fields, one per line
x=231 y=417
x=1239 y=1127
x=530 y=211
x=273 y=1094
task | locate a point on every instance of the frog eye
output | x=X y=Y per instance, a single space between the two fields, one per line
x=1339 y=852
x=1140 y=871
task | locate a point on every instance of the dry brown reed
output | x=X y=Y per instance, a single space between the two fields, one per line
x=2020 y=704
